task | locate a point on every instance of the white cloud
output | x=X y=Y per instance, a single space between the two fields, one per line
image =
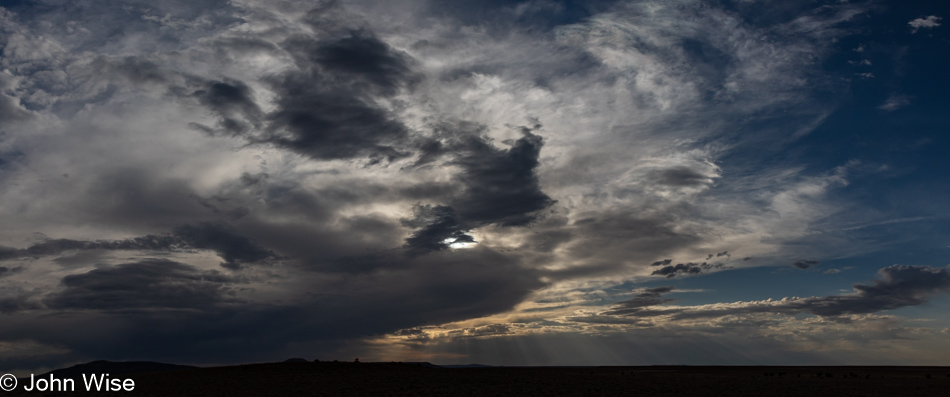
x=894 y=102
x=929 y=22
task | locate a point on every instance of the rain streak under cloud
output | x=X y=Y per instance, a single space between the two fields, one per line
x=532 y=182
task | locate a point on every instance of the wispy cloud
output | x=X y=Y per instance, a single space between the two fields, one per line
x=928 y=22
x=898 y=287
x=894 y=102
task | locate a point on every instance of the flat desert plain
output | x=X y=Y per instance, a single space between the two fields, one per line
x=411 y=379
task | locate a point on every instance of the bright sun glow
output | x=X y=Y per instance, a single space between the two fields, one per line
x=458 y=245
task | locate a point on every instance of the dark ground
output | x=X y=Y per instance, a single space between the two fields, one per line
x=393 y=379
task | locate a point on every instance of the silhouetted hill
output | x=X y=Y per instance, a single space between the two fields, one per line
x=420 y=364
x=114 y=368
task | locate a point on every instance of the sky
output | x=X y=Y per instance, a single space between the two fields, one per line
x=541 y=182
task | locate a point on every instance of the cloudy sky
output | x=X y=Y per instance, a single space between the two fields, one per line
x=541 y=182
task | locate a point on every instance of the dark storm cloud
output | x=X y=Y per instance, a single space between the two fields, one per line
x=662 y=263
x=8 y=253
x=500 y=186
x=649 y=297
x=804 y=263
x=430 y=289
x=6 y=271
x=149 y=284
x=58 y=246
x=680 y=268
x=143 y=308
x=899 y=286
x=232 y=101
x=356 y=244
x=133 y=196
x=227 y=97
x=224 y=240
x=364 y=61
x=680 y=176
x=438 y=227
x=327 y=109
x=429 y=152
x=332 y=125
x=219 y=237
x=671 y=271
x=13 y=304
